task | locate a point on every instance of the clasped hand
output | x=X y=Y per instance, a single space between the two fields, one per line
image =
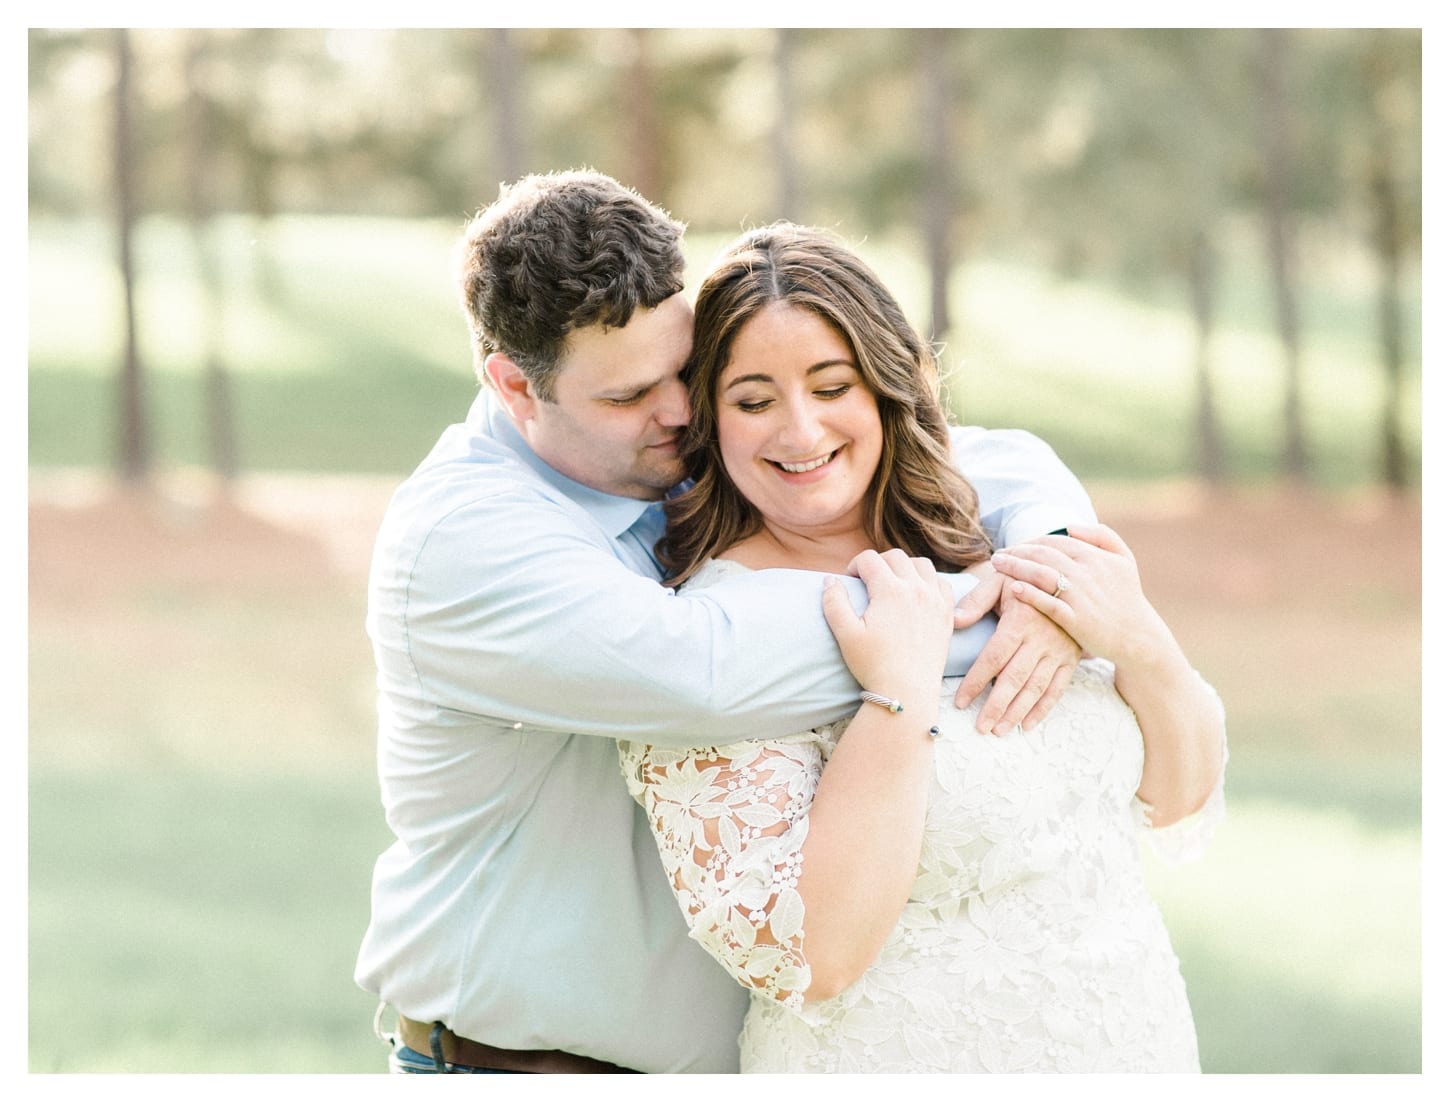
x=1087 y=583
x=1028 y=661
x=1042 y=632
x=898 y=646
x=1058 y=597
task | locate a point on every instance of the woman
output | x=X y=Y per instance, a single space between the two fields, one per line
x=993 y=915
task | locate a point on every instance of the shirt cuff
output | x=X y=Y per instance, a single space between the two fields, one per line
x=1030 y=522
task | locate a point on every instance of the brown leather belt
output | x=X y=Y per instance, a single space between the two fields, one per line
x=474 y=1054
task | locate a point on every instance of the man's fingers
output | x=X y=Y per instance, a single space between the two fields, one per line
x=1027 y=697
x=1009 y=683
x=987 y=666
x=1056 y=687
x=978 y=602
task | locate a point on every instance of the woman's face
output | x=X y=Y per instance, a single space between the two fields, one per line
x=800 y=432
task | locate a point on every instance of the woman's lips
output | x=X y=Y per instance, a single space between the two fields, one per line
x=807 y=465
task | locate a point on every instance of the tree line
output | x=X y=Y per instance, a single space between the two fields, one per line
x=1119 y=154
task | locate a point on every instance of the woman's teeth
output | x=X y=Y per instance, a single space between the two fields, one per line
x=810 y=465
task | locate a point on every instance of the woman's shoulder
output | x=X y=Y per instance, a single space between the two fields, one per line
x=712 y=571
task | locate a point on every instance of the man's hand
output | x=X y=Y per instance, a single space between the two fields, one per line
x=1029 y=656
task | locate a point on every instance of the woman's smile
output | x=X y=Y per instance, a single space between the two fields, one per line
x=800 y=431
x=807 y=466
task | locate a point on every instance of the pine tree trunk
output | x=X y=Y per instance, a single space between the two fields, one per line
x=1202 y=281
x=1394 y=469
x=782 y=134
x=646 y=153
x=938 y=188
x=501 y=67
x=220 y=417
x=134 y=445
x=1278 y=227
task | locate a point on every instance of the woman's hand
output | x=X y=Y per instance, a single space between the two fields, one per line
x=1087 y=582
x=902 y=637
x=1028 y=661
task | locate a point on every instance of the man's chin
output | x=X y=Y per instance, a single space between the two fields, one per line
x=666 y=476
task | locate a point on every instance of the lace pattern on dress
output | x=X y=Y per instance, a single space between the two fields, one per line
x=730 y=822
x=1030 y=861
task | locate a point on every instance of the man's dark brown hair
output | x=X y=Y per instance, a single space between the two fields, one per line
x=559 y=252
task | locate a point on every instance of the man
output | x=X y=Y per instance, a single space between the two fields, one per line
x=521 y=921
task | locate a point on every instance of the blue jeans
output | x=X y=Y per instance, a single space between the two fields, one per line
x=405 y=1061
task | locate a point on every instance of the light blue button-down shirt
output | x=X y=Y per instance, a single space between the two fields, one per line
x=519 y=628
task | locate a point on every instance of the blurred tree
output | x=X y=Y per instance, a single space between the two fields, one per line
x=1090 y=152
x=220 y=415
x=783 y=126
x=1194 y=143
x=1107 y=188
x=1278 y=166
x=134 y=441
x=858 y=87
x=503 y=81
x=938 y=187
x=641 y=114
x=1389 y=68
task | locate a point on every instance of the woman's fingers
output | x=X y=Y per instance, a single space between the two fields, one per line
x=1099 y=535
x=1054 y=608
x=1044 y=575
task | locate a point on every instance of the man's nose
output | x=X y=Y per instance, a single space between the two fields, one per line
x=674 y=407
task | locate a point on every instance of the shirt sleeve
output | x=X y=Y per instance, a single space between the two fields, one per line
x=506 y=606
x=730 y=823
x=1023 y=489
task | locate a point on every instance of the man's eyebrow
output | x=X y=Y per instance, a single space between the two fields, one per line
x=761 y=377
x=628 y=390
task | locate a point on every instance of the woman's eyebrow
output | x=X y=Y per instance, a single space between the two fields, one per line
x=761 y=377
x=757 y=377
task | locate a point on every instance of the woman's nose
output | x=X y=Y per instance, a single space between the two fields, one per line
x=800 y=429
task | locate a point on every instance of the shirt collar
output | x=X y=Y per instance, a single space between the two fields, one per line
x=614 y=514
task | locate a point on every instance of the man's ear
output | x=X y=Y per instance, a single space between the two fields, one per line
x=512 y=385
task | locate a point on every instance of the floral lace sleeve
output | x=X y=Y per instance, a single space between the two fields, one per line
x=1188 y=839
x=730 y=822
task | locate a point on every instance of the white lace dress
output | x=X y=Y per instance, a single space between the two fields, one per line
x=1029 y=942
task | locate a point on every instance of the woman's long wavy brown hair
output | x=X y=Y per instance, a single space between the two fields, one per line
x=918 y=500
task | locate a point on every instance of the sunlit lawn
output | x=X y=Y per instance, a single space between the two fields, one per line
x=202 y=812
x=192 y=920
x=203 y=819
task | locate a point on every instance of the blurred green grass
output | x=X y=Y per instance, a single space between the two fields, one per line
x=190 y=920
x=195 y=920
x=203 y=821
x=202 y=812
